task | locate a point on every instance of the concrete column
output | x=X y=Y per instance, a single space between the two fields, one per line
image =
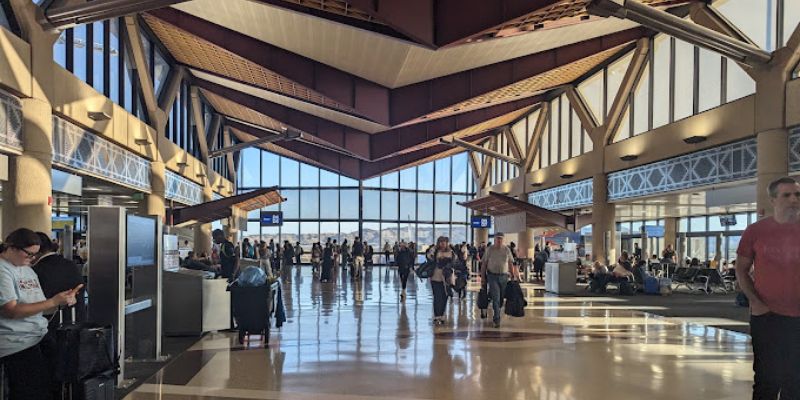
x=525 y=246
x=155 y=202
x=773 y=163
x=27 y=194
x=670 y=231
x=481 y=236
x=202 y=232
x=604 y=235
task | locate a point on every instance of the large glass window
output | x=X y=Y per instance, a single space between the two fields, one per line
x=443 y=175
x=755 y=18
x=97 y=48
x=684 y=80
x=309 y=203
x=660 y=69
x=319 y=204
x=329 y=205
x=593 y=92
x=291 y=207
x=79 y=53
x=408 y=206
x=408 y=178
x=389 y=206
x=372 y=204
x=641 y=103
x=710 y=80
x=348 y=202
x=425 y=176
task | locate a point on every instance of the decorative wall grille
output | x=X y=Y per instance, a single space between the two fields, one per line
x=794 y=149
x=84 y=152
x=10 y=121
x=730 y=162
x=183 y=190
x=564 y=197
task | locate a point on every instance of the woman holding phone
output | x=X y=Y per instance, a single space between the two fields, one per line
x=22 y=326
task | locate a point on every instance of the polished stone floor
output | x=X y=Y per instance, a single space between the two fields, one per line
x=360 y=341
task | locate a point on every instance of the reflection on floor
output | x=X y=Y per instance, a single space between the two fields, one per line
x=360 y=341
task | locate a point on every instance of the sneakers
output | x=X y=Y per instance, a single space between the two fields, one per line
x=483 y=314
x=403 y=294
x=496 y=324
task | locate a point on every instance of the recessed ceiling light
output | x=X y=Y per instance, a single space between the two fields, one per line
x=694 y=139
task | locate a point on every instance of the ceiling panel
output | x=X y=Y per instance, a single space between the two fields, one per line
x=308 y=108
x=382 y=59
x=528 y=87
x=200 y=53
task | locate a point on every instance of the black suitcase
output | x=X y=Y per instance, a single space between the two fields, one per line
x=83 y=351
x=97 y=388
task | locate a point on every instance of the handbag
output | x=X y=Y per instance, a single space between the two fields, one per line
x=84 y=350
x=483 y=299
x=425 y=270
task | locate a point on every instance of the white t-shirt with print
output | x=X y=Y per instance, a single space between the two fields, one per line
x=20 y=284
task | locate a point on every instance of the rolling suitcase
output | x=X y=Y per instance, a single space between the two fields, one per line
x=651 y=285
x=96 y=388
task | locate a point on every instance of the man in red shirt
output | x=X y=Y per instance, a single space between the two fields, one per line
x=771 y=247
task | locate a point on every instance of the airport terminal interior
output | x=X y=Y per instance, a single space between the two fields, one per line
x=159 y=142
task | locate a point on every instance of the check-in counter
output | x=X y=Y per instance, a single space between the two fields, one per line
x=193 y=304
x=560 y=278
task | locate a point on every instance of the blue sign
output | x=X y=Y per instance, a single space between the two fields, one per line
x=654 y=231
x=271 y=218
x=482 y=222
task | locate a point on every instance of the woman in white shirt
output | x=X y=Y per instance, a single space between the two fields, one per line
x=22 y=326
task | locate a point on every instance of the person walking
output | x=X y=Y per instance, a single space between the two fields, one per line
x=316 y=258
x=298 y=251
x=228 y=256
x=327 y=263
x=345 y=253
x=497 y=266
x=769 y=251
x=443 y=258
x=358 y=258
x=405 y=262
x=387 y=250
x=288 y=257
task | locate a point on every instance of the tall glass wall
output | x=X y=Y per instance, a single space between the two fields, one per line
x=702 y=231
x=414 y=204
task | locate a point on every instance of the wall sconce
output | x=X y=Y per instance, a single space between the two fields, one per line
x=629 y=157
x=567 y=176
x=201 y=175
x=537 y=184
x=99 y=116
x=142 y=141
x=694 y=139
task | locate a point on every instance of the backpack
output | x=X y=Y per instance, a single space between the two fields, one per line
x=626 y=288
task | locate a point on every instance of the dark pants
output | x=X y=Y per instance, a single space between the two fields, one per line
x=404 y=271
x=497 y=287
x=776 y=356
x=386 y=254
x=29 y=374
x=439 y=298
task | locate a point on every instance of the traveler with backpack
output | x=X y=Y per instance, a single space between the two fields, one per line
x=497 y=266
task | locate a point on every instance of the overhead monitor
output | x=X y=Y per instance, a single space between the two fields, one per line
x=727 y=220
x=141 y=241
x=483 y=221
x=271 y=218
